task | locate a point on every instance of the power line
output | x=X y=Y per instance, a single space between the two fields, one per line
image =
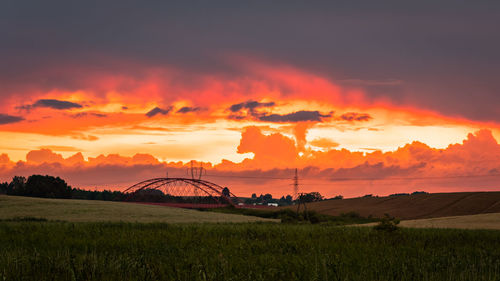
x=248 y=177
x=333 y=179
x=413 y=178
x=296 y=185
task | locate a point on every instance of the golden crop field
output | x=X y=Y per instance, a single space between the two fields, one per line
x=411 y=207
x=100 y=211
x=481 y=221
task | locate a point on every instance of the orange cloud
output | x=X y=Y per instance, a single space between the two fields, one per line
x=300 y=132
x=101 y=98
x=324 y=143
x=43 y=156
x=269 y=151
x=473 y=164
x=106 y=106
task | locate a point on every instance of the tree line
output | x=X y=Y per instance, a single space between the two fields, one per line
x=54 y=187
x=46 y=186
x=285 y=200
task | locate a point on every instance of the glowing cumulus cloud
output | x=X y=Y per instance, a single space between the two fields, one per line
x=270 y=117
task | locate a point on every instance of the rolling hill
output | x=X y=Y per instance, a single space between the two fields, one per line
x=480 y=221
x=417 y=206
x=95 y=211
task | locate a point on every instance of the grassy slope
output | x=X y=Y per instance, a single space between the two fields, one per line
x=415 y=206
x=481 y=221
x=95 y=211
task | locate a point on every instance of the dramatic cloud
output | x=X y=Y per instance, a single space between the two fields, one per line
x=473 y=164
x=8 y=119
x=200 y=37
x=354 y=116
x=43 y=156
x=300 y=133
x=84 y=114
x=4 y=158
x=188 y=109
x=324 y=143
x=269 y=151
x=157 y=110
x=84 y=137
x=479 y=153
x=299 y=116
x=250 y=110
x=54 y=104
x=250 y=105
x=71 y=65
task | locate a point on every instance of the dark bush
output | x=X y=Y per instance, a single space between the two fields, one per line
x=388 y=224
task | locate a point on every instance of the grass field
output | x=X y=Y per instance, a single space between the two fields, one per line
x=134 y=251
x=418 y=206
x=94 y=211
x=482 y=221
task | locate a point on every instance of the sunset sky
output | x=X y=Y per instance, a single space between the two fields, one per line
x=363 y=97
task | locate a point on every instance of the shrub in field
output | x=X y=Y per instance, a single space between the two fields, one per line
x=387 y=223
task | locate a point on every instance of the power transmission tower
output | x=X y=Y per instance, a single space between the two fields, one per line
x=299 y=196
x=296 y=185
x=301 y=201
x=196 y=172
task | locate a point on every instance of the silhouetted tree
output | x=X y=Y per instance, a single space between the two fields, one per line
x=267 y=197
x=285 y=200
x=47 y=186
x=310 y=197
x=3 y=187
x=149 y=195
x=17 y=186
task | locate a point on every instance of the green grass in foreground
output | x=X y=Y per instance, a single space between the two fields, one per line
x=12 y=207
x=131 y=251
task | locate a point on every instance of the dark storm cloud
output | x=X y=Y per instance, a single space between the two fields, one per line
x=250 y=105
x=299 y=116
x=56 y=104
x=354 y=116
x=85 y=114
x=157 y=110
x=445 y=53
x=8 y=119
x=253 y=111
x=52 y=103
x=188 y=109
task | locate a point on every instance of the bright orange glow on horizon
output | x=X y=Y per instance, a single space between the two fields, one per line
x=271 y=118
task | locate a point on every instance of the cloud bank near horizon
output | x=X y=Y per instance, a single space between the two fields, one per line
x=472 y=164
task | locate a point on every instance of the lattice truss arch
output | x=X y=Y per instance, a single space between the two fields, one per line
x=184 y=187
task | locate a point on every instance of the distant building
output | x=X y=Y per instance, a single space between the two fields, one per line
x=272 y=204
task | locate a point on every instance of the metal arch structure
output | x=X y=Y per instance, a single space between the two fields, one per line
x=184 y=187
